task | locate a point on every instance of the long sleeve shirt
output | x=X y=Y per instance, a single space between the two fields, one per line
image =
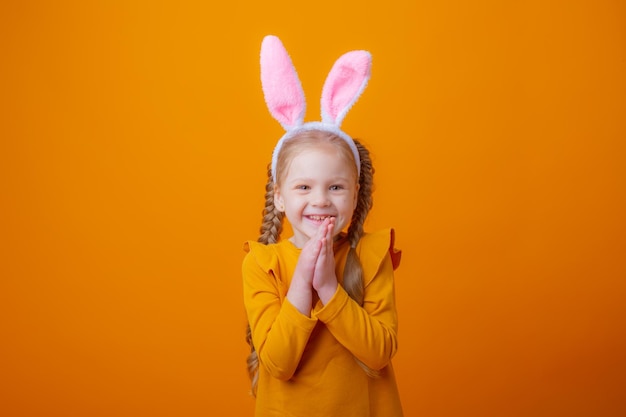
x=307 y=364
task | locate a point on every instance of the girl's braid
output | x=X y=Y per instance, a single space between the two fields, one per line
x=272 y=225
x=353 y=271
x=271 y=228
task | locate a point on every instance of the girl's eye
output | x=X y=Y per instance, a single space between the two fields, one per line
x=336 y=187
x=302 y=187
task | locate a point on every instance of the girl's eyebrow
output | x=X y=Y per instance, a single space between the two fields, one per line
x=300 y=179
x=308 y=179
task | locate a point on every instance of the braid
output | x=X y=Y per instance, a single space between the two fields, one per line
x=272 y=219
x=365 y=200
x=353 y=271
x=271 y=228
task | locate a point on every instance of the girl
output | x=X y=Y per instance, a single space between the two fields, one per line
x=320 y=305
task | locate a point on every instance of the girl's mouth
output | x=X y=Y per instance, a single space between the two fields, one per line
x=319 y=218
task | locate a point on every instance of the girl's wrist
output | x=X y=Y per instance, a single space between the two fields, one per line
x=327 y=291
x=300 y=295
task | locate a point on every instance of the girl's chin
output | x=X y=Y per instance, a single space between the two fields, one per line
x=300 y=239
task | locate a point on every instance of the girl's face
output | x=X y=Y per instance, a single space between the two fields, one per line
x=319 y=183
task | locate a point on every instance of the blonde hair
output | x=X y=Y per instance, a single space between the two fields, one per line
x=273 y=222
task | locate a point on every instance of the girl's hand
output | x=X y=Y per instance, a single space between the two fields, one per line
x=300 y=290
x=324 y=278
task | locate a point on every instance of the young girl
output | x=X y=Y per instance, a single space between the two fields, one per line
x=320 y=305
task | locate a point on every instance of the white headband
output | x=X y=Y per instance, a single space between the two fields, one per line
x=285 y=98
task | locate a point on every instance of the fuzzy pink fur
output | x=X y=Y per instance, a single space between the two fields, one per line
x=344 y=84
x=281 y=85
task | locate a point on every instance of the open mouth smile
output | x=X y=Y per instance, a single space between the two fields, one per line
x=321 y=218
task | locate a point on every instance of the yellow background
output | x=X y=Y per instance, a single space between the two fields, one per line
x=134 y=140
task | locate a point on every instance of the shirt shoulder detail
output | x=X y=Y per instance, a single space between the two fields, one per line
x=264 y=255
x=374 y=248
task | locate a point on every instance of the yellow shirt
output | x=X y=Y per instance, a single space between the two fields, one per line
x=307 y=365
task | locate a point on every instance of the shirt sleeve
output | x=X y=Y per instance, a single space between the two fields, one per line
x=370 y=331
x=279 y=331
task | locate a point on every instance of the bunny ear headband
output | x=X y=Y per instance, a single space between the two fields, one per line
x=285 y=98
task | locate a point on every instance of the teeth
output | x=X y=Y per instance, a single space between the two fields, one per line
x=319 y=217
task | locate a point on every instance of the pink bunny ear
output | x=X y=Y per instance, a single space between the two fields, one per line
x=344 y=85
x=281 y=86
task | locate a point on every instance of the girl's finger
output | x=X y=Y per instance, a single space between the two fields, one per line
x=321 y=258
x=322 y=232
x=329 y=233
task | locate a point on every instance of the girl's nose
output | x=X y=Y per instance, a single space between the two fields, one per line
x=320 y=199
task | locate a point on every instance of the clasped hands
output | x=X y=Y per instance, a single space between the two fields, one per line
x=315 y=270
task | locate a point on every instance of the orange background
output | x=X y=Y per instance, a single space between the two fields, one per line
x=134 y=140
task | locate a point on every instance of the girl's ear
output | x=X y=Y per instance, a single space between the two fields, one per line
x=279 y=202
